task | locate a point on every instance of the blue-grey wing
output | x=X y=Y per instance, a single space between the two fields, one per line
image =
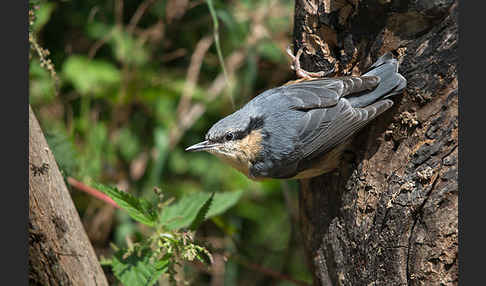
x=325 y=128
x=333 y=109
x=327 y=117
x=325 y=92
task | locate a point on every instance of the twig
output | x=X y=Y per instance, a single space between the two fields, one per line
x=167 y=57
x=133 y=23
x=193 y=73
x=138 y=15
x=91 y=191
x=197 y=110
x=92 y=13
x=119 y=13
x=191 y=79
x=98 y=44
x=45 y=62
x=155 y=32
x=216 y=40
x=194 y=4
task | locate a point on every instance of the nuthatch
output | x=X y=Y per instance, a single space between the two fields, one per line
x=299 y=130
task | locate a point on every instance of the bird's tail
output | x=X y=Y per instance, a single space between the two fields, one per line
x=391 y=82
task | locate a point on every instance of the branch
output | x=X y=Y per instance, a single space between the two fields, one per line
x=60 y=252
x=91 y=191
x=193 y=74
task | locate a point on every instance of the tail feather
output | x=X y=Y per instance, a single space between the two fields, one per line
x=391 y=82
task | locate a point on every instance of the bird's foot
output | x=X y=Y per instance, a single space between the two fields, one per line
x=300 y=72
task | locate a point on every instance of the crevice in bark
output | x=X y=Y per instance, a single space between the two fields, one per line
x=418 y=214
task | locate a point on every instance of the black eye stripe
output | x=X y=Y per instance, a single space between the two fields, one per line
x=233 y=135
x=220 y=134
x=228 y=136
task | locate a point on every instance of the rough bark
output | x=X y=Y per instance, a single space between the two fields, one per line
x=389 y=214
x=59 y=249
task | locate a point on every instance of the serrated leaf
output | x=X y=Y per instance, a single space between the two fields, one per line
x=139 y=209
x=222 y=202
x=138 y=270
x=184 y=212
x=201 y=214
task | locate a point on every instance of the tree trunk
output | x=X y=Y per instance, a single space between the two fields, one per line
x=59 y=250
x=388 y=215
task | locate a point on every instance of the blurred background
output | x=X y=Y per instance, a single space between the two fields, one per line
x=131 y=84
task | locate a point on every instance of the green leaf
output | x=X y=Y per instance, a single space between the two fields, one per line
x=223 y=201
x=97 y=147
x=97 y=30
x=126 y=48
x=138 y=270
x=237 y=31
x=43 y=15
x=139 y=209
x=161 y=143
x=90 y=76
x=42 y=88
x=128 y=144
x=183 y=213
x=269 y=50
x=201 y=215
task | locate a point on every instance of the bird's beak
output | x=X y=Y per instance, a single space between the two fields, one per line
x=202 y=146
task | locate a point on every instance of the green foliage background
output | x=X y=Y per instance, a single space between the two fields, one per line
x=112 y=113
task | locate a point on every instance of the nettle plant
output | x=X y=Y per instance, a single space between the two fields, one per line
x=171 y=242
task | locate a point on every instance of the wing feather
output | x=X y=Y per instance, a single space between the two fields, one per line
x=334 y=130
x=328 y=118
x=326 y=92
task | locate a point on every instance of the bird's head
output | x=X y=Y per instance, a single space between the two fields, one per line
x=237 y=139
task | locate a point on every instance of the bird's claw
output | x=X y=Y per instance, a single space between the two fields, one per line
x=300 y=72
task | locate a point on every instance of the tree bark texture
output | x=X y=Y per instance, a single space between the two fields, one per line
x=59 y=249
x=389 y=214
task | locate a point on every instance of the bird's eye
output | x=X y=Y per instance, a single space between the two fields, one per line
x=229 y=136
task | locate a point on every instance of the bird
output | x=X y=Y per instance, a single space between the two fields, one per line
x=300 y=130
